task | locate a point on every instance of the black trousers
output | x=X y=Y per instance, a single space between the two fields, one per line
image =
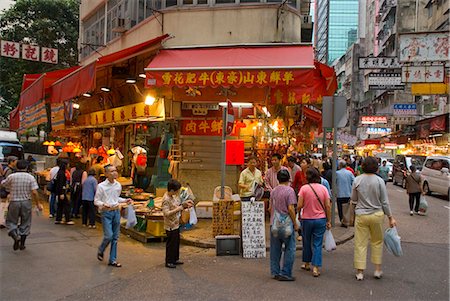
x=341 y=201
x=416 y=197
x=88 y=211
x=76 y=201
x=173 y=246
x=63 y=208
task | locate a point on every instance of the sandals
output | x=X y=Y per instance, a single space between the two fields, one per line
x=100 y=256
x=305 y=267
x=115 y=264
x=316 y=272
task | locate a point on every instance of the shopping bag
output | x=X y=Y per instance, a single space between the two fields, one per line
x=3 y=212
x=392 y=241
x=423 y=205
x=185 y=217
x=348 y=210
x=330 y=244
x=131 y=217
x=192 y=216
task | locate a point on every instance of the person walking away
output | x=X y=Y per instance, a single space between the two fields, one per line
x=76 y=189
x=23 y=188
x=282 y=202
x=248 y=179
x=107 y=199
x=293 y=167
x=414 y=189
x=171 y=208
x=53 y=197
x=383 y=171
x=372 y=204
x=313 y=198
x=344 y=182
x=89 y=187
x=61 y=191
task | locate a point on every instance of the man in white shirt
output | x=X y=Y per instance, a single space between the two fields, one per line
x=107 y=199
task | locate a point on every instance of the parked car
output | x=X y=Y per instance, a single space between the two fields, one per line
x=436 y=175
x=9 y=146
x=401 y=168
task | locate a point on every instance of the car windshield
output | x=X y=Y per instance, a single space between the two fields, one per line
x=417 y=161
x=10 y=150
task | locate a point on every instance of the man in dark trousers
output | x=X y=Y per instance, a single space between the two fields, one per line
x=22 y=187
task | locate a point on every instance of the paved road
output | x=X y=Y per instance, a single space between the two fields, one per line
x=60 y=263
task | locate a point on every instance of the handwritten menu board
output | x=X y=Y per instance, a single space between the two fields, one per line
x=222 y=220
x=253 y=230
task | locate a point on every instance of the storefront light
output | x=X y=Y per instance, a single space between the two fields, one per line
x=142 y=75
x=238 y=104
x=131 y=81
x=105 y=89
x=87 y=94
x=76 y=106
x=149 y=100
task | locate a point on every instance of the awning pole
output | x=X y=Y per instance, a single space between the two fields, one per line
x=224 y=147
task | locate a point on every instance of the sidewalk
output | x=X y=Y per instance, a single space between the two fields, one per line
x=201 y=235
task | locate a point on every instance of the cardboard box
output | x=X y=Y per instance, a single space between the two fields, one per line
x=156 y=228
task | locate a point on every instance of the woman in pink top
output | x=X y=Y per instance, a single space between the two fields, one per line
x=313 y=198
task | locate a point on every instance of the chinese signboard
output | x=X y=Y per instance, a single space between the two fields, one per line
x=423 y=74
x=378 y=131
x=378 y=63
x=294 y=96
x=29 y=52
x=405 y=109
x=201 y=127
x=385 y=81
x=424 y=47
x=373 y=119
x=246 y=78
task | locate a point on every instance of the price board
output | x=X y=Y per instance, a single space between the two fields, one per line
x=222 y=222
x=253 y=230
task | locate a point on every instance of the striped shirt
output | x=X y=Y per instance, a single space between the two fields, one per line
x=20 y=185
x=270 y=178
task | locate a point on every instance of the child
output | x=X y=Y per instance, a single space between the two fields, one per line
x=172 y=208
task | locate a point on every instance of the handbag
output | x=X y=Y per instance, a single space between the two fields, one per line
x=184 y=217
x=282 y=224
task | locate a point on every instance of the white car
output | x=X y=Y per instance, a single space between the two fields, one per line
x=436 y=176
x=390 y=166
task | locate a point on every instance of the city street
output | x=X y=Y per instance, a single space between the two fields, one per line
x=60 y=263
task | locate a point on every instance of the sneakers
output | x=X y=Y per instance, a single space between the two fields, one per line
x=285 y=278
x=51 y=216
x=70 y=223
x=378 y=274
x=359 y=276
x=411 y=213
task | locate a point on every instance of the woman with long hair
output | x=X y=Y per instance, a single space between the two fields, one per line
x=61 y=189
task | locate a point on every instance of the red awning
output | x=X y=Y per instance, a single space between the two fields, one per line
x=129 y=52
x=75 y=84
x=234 y=58
x=14 y=120
x=313 y=115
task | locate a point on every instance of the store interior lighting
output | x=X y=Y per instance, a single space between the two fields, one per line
x=142 y=75
x=87 y=94
x=131 y=81
x=149 y=100
x=238 y=104
x=76 y=106
x=105 y=89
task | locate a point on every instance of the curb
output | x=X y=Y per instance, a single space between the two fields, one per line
x=207 y=245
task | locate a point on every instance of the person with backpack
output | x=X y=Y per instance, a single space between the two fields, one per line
x=414 y=189
x=75 y=189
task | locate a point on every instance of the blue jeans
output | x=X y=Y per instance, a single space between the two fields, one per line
x=53 y=204
x=111 y=228
x=313 y=230
x=276 y=244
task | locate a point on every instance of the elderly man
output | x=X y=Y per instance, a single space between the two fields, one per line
x=344 y=182
x=107 y=198
x=22 y=187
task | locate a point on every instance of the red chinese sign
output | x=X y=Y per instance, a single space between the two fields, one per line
x=373 y=119
x=234 y=152
x=203 y=128
x=49 y=55
x=10 y=49
x=226 y=78
x=30 y=52
x=294 y=96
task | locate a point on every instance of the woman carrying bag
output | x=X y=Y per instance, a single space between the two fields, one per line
x=370 y=195
x=313 y=198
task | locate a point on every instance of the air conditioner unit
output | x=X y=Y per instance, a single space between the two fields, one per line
x=119 y=25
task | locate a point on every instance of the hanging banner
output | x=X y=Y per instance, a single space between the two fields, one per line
x=33 y=115
x=58 y=121
x=230 y=117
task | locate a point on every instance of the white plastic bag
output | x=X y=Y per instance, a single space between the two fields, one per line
x=131 y=217
x=330 y=244
x=423 y=205
x=192 y=216
x=392 y=241
x=3 y=212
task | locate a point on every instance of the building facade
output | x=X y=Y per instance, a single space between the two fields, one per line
x=336 y=28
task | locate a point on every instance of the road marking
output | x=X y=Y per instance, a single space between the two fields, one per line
x=447 y=207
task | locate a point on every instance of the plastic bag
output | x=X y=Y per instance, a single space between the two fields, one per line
x=423 y=205
x=131 y=217
x=392 y=241
x=330 y=244
x=192 y=216
x=282 y=225
x=3 y=212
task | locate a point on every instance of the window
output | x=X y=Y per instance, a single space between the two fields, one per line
x=429 y=163
x=170 y=3
x=444 y=164
x=436 y=165
x=430 y=11
x=225 y=1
